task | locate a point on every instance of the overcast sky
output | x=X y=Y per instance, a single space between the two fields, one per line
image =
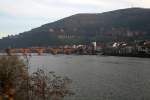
x=22 y=15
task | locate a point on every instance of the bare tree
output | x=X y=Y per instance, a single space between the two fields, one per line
x=17 y=84
x=49 y=86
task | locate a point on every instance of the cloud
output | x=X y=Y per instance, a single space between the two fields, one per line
x=22 y=15
x=62 y=8
x=140 y=3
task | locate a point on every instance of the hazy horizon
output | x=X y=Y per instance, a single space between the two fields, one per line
x=22 y=15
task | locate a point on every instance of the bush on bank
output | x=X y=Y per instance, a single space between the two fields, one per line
x=17 y=84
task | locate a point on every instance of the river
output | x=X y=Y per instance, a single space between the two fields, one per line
x=100 y=77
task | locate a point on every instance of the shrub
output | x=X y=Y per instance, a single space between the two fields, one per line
x=12 y=73
x=16 y=83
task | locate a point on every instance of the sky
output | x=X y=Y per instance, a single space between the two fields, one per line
x=17 y=16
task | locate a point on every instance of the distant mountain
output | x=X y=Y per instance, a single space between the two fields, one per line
x=119 y=25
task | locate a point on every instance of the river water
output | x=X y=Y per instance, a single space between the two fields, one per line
x=100 y=77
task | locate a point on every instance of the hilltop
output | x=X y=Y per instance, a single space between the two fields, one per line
x=119 y=25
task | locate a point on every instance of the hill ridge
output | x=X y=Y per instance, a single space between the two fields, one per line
x=118 y=25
